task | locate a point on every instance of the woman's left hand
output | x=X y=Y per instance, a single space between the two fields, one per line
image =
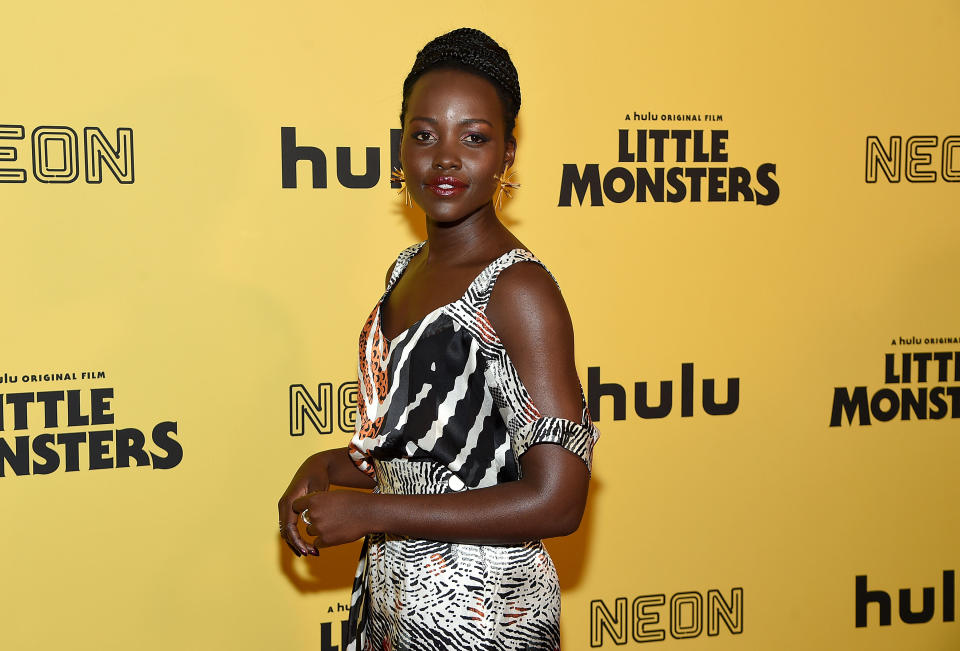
x=335 y=517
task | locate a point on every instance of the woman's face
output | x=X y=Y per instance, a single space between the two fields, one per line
x=453 y=144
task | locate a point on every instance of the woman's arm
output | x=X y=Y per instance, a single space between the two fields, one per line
x=548 y=501
x=342 y=471
x=315 y=475
x=532 y=321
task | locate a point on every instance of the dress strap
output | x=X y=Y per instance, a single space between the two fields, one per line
x=482 y=286
x=402 y=261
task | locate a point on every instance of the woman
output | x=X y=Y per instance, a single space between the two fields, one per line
x=460 y=388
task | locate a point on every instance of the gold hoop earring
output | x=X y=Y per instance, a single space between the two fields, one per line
x=397 y=176
x=506 y=185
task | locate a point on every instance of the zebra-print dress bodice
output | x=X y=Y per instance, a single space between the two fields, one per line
x=442 y=409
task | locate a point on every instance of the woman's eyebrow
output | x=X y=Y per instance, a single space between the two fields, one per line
x=461 y=122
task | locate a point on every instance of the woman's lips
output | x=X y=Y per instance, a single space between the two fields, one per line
x=447 y=186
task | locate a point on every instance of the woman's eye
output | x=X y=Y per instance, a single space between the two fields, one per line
x=476 y=138
x=421 y=136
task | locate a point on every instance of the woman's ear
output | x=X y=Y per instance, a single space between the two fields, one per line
x=509 y=154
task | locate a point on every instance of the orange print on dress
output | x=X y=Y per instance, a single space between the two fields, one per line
x=363 y=361
x=487 y=333
x=437 y=564
x=376 y=392
x=359 y=460
x=516 y=615
x=478 y=610
x=530 y=410
x=368 y=428
x=378 y=355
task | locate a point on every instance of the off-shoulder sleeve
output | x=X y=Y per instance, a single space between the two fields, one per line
x=575 y=437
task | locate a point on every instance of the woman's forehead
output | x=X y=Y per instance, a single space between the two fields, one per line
x=453 y=93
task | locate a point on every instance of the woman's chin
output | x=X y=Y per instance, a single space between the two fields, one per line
x=452 y=212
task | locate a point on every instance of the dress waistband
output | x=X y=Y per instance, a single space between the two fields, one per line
x=406 y=477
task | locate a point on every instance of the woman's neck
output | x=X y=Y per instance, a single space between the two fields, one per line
x=477 y=235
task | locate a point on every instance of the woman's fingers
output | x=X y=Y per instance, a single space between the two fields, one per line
x=330 y=516
x=289 y=530
x=334 y=518
x=290 y=536
x=301 y=503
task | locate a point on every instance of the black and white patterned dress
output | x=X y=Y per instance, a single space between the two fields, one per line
x=441 y=409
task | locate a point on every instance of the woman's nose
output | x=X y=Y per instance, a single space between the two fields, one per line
x=445 y=155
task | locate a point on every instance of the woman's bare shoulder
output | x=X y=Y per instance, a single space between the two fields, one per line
x=526 y=294
x=531 y=319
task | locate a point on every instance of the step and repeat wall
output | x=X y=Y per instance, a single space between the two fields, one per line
x=751 y=209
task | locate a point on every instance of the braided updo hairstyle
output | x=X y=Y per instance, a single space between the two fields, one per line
x=472 y=51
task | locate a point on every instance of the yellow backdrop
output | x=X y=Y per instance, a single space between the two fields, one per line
x=777 y=241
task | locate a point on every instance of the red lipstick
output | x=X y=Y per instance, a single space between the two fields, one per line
x=447 y=186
